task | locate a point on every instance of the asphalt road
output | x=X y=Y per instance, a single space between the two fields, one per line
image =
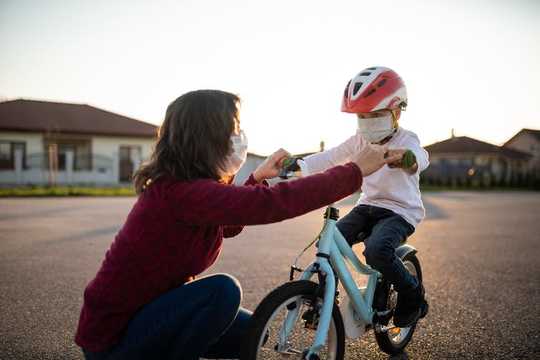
x=480 y=254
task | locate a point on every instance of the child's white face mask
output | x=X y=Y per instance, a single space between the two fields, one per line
x=237 y=157
x=376 y=129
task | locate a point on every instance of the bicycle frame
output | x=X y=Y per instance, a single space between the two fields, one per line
x=332 y=245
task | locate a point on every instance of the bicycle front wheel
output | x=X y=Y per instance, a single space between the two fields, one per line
x=262 y=341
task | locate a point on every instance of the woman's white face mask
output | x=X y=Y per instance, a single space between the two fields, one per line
x=376 y=129
x=237 y=157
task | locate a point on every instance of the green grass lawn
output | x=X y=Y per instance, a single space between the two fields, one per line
x=429 y=188
x=66 y=191
x=44 y=191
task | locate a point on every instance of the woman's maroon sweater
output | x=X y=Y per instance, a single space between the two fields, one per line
x=175 y=231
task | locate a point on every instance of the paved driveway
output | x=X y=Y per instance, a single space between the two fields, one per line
x=480 y=253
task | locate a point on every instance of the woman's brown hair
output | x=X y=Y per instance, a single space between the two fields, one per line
x=193 y=140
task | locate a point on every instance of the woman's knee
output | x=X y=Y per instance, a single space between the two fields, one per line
x=227 y=292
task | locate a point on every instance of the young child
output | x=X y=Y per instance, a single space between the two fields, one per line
x=390 y=206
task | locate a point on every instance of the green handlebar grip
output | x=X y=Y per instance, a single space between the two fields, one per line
x=288 y=162
x=408 y=160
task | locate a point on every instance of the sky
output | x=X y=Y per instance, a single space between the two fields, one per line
x=472 y=66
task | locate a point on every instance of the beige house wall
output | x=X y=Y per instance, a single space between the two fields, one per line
x=528 y=143
x=110 y=146
x=252 y=162
x=37 y=172
x=33 y=141
x=501 y=167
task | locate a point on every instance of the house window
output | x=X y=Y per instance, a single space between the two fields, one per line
x=127 y=166
x=7 y=154
x=81 y=150
x=481 y=160
x=63 y=149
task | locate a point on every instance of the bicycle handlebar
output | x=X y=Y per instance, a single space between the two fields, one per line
x=288 y=166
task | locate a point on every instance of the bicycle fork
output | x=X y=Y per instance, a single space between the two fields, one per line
x=322 y=267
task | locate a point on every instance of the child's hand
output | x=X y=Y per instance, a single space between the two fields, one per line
x=407 y=160
x=271 y=166
x=397 y=153
x=373 y=157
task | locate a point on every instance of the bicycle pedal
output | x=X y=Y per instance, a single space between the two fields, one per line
x=311 y=319
x=384 y=317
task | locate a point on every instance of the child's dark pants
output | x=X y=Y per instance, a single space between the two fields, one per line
x=387 y=231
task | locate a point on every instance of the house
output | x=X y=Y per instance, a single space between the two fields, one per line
x=58 y=143
x=252 y=162
x=527 y=140
x=461 y=160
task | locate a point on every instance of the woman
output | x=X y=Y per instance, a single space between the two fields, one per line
x=144 y=302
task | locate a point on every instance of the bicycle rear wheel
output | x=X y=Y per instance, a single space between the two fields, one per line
x=395 y=339
x=263 y=336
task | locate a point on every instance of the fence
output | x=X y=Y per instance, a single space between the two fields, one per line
x=40 y=169
x=468 y=175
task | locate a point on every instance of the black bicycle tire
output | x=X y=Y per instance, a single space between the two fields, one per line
x=275 y=299
x=382 y=338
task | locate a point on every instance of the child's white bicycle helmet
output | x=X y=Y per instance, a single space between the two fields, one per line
x=374 y=88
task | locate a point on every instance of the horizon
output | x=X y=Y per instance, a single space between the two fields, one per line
x=452 y=135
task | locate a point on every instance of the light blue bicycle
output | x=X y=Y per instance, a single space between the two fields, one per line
x=303 y=319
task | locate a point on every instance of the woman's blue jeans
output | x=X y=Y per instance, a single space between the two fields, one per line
x=202 y=318
x=387 y=230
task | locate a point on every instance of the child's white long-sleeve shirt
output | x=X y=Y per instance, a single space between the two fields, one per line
x=392 y=189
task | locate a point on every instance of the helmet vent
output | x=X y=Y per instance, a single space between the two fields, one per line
x=357 y=87
x=381 y=83
x=370 y=92
x=367 y=73
x=346 y=93
x=372 y=68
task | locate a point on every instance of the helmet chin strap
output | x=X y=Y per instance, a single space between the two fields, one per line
x=386 y=139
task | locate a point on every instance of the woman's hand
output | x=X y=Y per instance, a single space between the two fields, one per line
x=271 y=166
x=373 y=157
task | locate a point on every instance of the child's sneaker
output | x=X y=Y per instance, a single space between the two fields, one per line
x=411 y=306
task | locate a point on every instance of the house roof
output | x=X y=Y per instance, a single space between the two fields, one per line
x=295 y=155
x=53 y=117
x=303 y=155
x=533 y=132
x=467 y=145
x=256 y=155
